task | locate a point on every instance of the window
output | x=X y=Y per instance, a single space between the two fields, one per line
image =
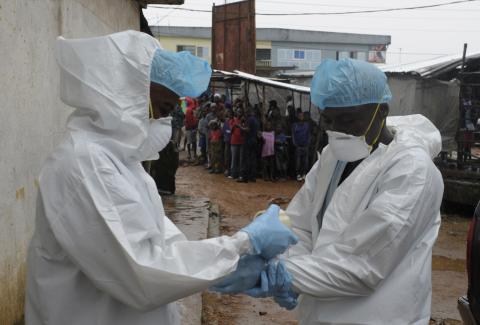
x=361 y=56
x=264 y=54
x=343 y=55
x=202 y=51
x=299 y=55
x=189 y=48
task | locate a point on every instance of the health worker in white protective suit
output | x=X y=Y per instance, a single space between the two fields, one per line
x=368 y=214
x=103 y=251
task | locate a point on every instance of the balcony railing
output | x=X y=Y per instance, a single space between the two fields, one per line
x=264 y=63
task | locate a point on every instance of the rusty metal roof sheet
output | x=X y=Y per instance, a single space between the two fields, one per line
x=431 y=68
x=239 y=75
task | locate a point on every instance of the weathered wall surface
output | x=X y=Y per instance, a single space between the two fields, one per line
x=32 y=117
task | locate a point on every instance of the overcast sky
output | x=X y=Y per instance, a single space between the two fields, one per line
x=416 y=34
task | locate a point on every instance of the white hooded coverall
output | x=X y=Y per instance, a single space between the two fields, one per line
x=103 y=252
x=370 y=263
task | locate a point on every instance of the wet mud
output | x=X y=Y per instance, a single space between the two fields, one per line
x=238 y=202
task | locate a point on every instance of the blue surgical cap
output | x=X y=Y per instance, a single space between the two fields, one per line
x=348 y=82
x=182 y=72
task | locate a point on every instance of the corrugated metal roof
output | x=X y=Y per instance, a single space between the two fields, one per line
x=265 y=81
x=430 y=68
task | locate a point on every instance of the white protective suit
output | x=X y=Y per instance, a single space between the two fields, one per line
x=103 y=252
x=371 y=261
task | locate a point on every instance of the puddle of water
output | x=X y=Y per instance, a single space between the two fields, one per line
x=181 y=208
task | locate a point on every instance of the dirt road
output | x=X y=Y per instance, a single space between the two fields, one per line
x=239 y=201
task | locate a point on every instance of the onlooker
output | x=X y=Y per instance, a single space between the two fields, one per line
x=215 y=146
x=290 y=108
x=227 y=135
x=191 y=124
x=211 y=115
x=252 y=129
x=202 y=134
x=301 y=141
x=237 y=141
x=272 y=106
x=268 y=153
x=178 y=118
x=281 y=153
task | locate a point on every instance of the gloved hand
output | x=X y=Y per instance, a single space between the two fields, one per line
x=281 y=285
x=286 y=299
x=245 y=277
x=269 y=237
x=276 y=281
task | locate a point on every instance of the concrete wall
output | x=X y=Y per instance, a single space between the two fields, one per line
x=33 y=118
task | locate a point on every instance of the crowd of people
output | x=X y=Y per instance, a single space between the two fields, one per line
x=242 y=141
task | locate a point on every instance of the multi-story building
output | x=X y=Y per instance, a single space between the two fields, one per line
x=283 y=49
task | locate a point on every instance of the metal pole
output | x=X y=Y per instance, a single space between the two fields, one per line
x=464 y=56
x=264 y=105
x=258 y=95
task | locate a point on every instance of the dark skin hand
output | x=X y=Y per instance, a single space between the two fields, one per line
x=163 y=100
x=354 y=120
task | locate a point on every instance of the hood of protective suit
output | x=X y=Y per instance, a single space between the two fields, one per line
x=416 y=131
x=107 y=80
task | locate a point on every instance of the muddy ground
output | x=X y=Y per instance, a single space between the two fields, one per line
x=238 y=202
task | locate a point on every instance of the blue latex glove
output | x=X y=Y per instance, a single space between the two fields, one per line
x=269 y=237
x=287 y=299
x=276 y=281
x=245 y=277
x=281 y=285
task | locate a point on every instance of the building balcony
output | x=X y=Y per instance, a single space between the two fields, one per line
x=264 y=63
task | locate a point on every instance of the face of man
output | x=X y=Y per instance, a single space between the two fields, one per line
x=163 y=100
x=355 y=120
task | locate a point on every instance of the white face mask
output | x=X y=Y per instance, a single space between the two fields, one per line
x=347 y=147
x=159 y=133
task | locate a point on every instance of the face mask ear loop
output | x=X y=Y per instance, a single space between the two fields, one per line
x=373 y=118
x=150 y=109
x=370 y=146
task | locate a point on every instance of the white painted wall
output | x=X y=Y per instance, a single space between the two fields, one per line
x=32 y=118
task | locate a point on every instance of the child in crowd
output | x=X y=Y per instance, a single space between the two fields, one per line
x=268 y=152
x=301 y=142
x=215 y=146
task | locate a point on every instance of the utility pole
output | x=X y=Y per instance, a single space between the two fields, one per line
x=400 y=55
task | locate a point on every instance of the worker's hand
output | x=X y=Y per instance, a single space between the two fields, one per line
x=274 y=280
x=287 y=300
x=245 y=277
x=269 y=237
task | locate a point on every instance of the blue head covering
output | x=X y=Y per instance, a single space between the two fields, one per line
x=347 y=83
x=182 y=72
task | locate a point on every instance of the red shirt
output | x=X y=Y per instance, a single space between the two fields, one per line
x=191 y=121
x=215 y=135
x=238 y=137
